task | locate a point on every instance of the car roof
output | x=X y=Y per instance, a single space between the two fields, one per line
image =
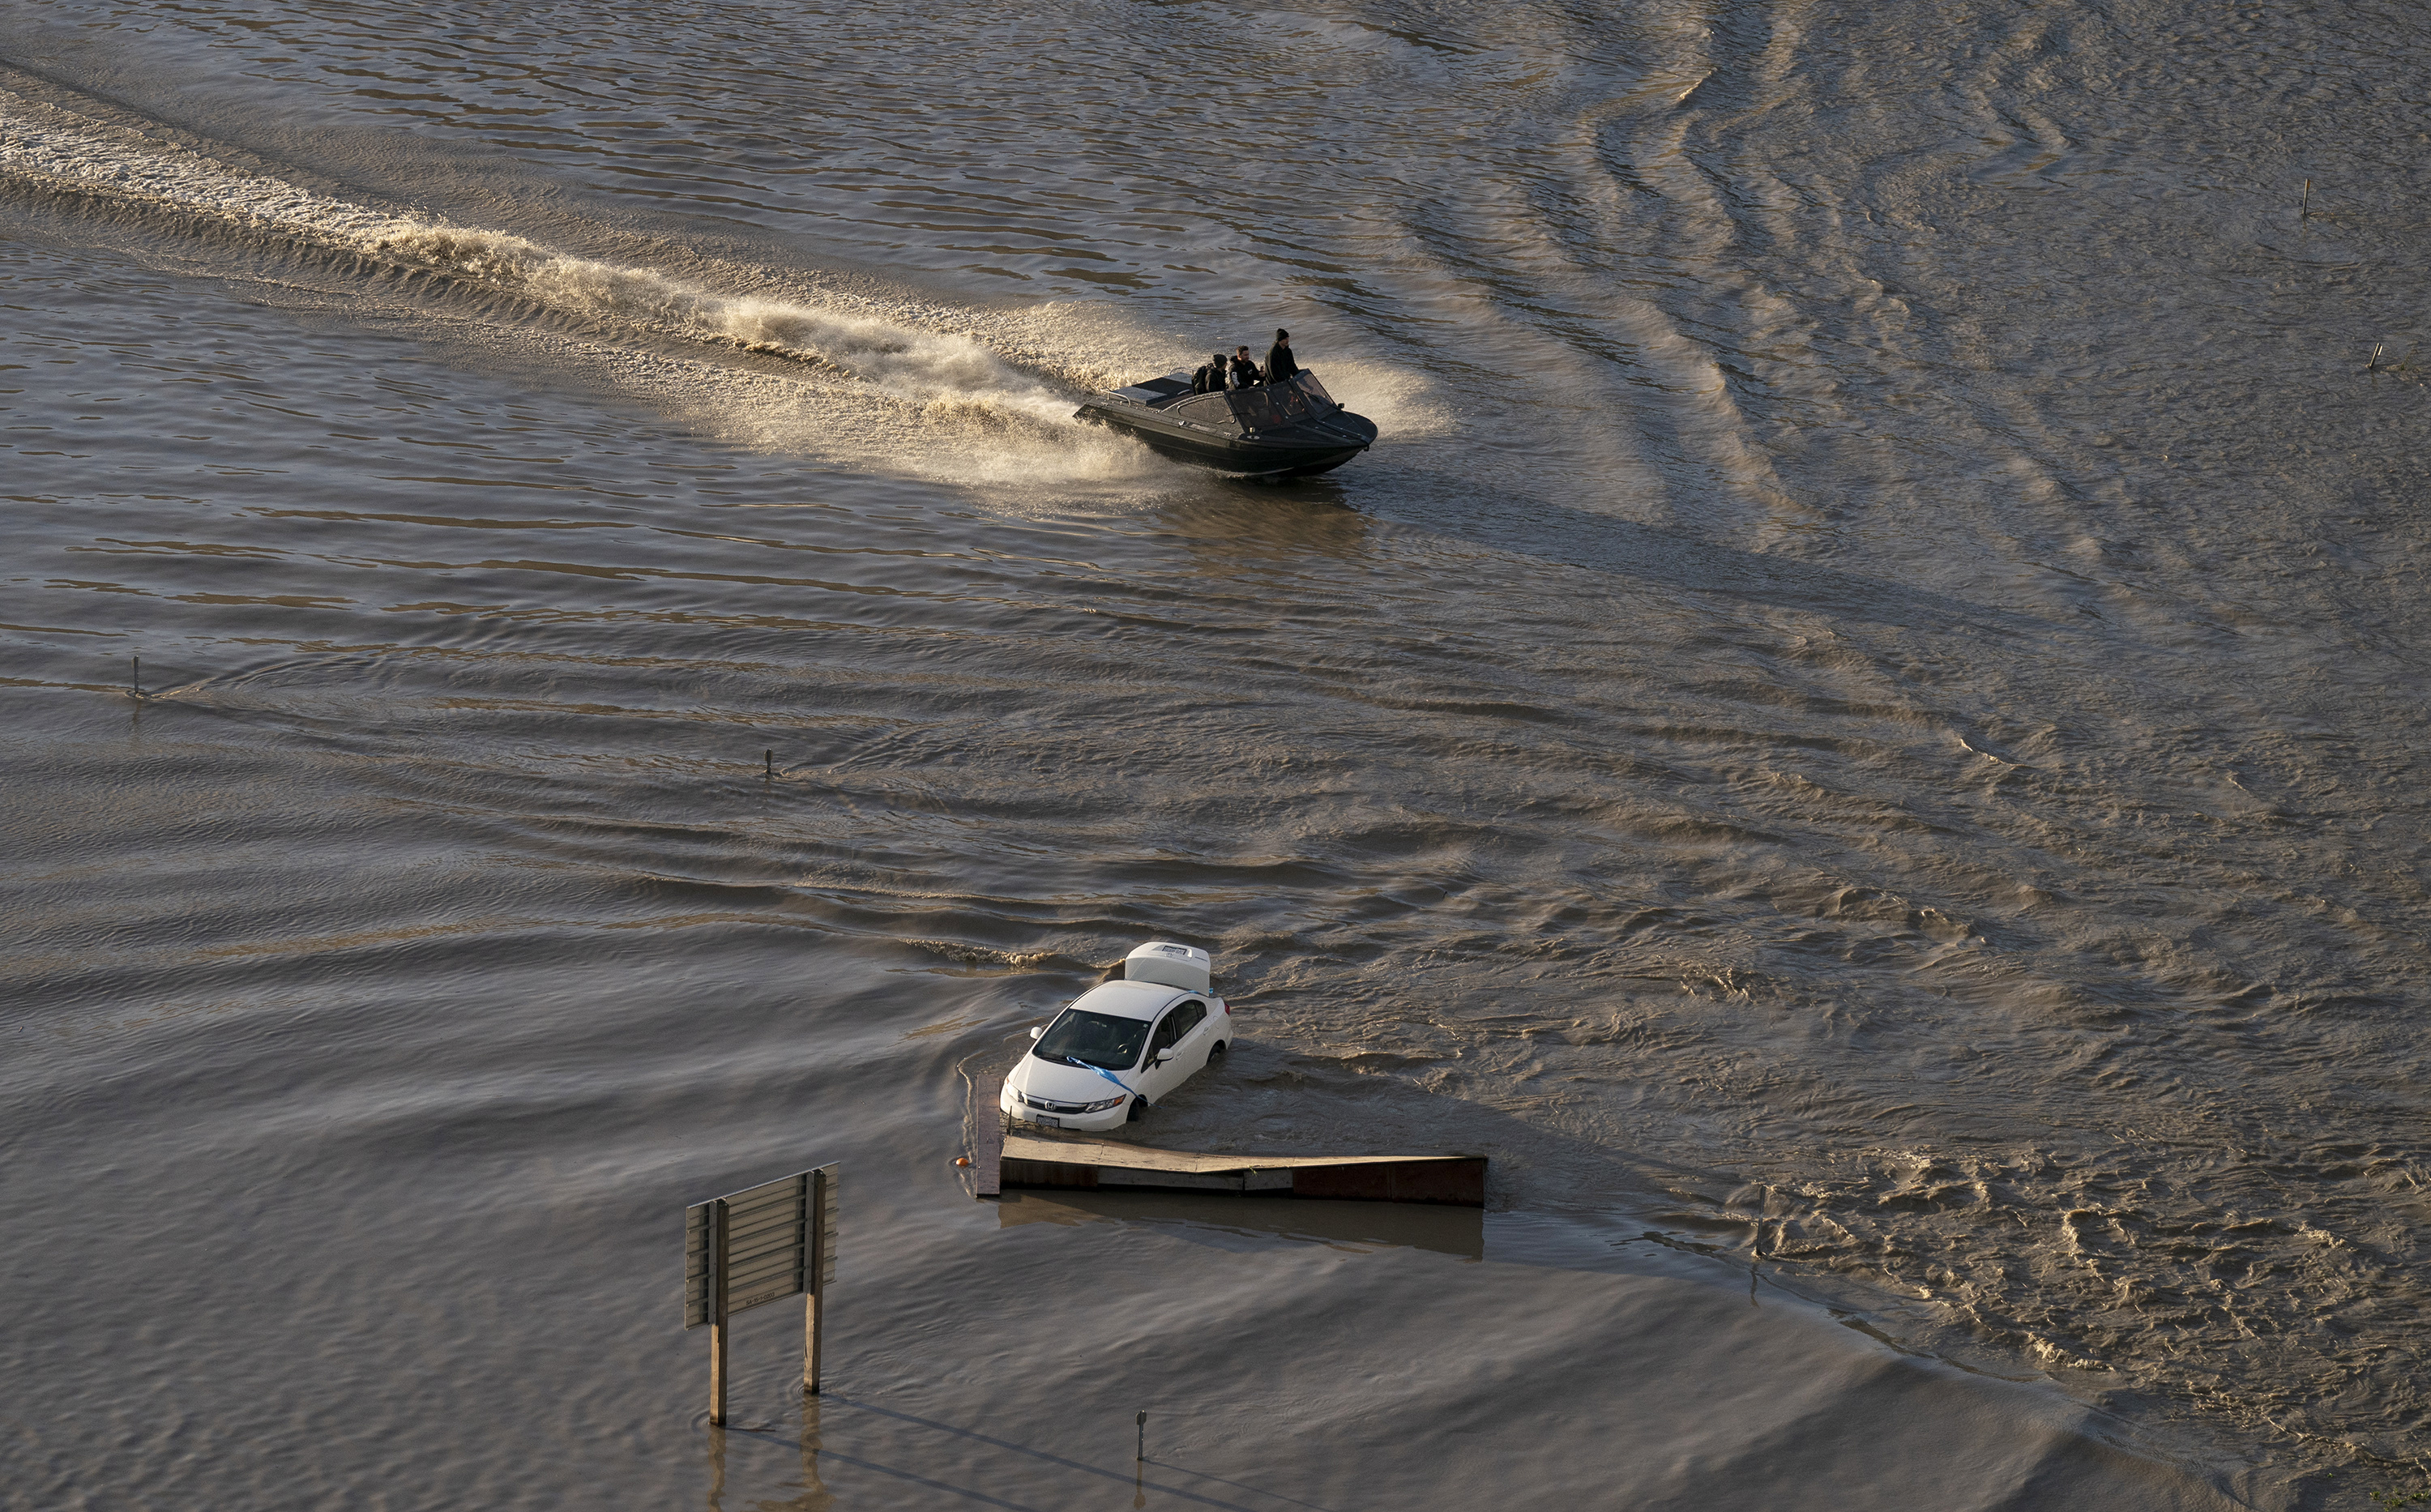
x=1131 y=999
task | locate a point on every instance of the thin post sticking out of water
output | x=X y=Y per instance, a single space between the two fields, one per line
x=720 y=1330
x=2376 y=356
x=821 y=1261
x=2304 y=205
x=1143 y=1436
x=135 y=675
x=770 y=759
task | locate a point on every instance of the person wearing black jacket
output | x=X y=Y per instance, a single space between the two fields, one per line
x=1245 y=372
x=1210 y=379
x=1279 y=358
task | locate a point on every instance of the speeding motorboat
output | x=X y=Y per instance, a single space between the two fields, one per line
x=1286 y=429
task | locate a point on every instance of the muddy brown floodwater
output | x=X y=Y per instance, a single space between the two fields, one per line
x=1859 y=733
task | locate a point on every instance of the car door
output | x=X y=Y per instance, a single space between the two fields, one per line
x=1158 y=1080
x=1180 y=1031
x=1190 y=1049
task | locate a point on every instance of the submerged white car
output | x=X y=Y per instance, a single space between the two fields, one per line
x=1121 y=1046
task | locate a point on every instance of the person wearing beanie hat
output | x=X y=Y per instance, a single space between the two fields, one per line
x=1279 y=358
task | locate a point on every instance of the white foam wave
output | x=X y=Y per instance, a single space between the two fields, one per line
x=1402 y=402
x=924 y=367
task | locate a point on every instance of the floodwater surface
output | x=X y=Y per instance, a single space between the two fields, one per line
x=1859 y=733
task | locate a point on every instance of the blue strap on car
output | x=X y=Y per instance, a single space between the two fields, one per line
x=1112 y=1077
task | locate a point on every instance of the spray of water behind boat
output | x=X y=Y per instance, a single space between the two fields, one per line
x=839 y=337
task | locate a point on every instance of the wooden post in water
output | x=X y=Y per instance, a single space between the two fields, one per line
x=717 y=1326
x=813 y=1304
x=820 y=1263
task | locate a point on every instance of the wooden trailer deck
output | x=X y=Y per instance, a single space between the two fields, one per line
x=1001 y=1158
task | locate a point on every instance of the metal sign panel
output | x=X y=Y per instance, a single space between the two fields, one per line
x=699 y=1284
x=824 y=1238
x=778 y=1241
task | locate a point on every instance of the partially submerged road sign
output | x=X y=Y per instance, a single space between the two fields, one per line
x=760 y=1245
x=773 y=1248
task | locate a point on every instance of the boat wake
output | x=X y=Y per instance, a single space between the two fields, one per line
x=927 y=375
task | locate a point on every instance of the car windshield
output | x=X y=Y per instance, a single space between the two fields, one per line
x=1100 y=1040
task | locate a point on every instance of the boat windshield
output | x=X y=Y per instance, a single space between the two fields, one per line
x=1265 y=407
x=1100 y=1041
x=1297 y=398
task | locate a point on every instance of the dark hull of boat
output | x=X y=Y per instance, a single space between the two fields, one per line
x=1295 y=452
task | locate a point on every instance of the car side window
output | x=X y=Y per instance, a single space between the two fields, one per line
x=1183 y=1020
x=1176 y=1024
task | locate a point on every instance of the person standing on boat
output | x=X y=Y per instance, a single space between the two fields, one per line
x=1210 y=379
x=1245 y=372
x=1280 y=364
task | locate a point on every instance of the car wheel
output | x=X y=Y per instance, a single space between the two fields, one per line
x=1215 y=1055
x=1139 y=1110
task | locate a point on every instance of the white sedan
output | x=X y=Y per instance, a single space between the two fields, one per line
x=1122 y=1046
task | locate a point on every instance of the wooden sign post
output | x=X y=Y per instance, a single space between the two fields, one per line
x=755 y=1245
x=719 y=1330
x=822 y=1272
